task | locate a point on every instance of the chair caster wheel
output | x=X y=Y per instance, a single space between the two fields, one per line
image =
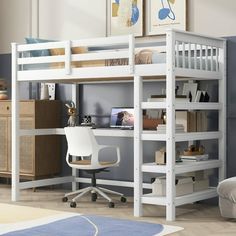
x=111 y=204
x=65 y=199
x=94 y=197
x=123 y=199
x=73 y=204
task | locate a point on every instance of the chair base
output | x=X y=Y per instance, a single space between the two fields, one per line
x=94 y=191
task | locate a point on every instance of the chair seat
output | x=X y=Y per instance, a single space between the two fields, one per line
x=88 y=162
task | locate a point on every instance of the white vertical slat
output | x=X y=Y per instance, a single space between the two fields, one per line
x=170 y=127
x=189 y=55
x=217 y=59
x=75 y=99
x=138 y=146
x=68 y=57
x=212 y=58
x=183 y=55
x=201 y=61
x=177 y=54
x=222 y=112
x=15 y=127
x=195 y=56
x=131 y=53
x=206 y=57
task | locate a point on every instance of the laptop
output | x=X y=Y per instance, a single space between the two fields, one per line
x=122 y=117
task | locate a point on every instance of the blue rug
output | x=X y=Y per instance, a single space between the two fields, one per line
x=87 y=225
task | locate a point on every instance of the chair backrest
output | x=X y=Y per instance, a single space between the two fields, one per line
x=81 y=141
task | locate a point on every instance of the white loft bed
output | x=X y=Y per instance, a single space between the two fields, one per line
x=182 y=55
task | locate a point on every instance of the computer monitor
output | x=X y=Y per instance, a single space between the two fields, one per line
x=122 y=117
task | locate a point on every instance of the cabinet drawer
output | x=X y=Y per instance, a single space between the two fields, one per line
x=5 y=108
x=26 y=108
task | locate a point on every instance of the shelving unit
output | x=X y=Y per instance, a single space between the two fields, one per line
x=190 y=45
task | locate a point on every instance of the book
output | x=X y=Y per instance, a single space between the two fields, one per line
x=198 y=95
x=202 y=157
x=190 y=90
x=161 y=128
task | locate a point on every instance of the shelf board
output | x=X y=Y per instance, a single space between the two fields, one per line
x=198 y=106
x=153 y=105
x=184 y=105
x=196 y=196
x=181 y=200
x=181 y=137
x=151 y=198
x=191 y=136
x=182 y=167
x=153 y=136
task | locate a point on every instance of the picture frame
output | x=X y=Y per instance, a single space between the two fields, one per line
x=124 y=17
x=164 y=14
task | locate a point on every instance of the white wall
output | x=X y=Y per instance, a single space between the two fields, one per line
x=14 y=22
x=212 y=17
x=74 y=19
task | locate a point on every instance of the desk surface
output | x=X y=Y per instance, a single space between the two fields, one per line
x=106 y=132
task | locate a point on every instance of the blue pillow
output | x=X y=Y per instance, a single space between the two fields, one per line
x=38 y=53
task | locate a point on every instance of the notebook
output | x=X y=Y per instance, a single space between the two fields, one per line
x=122 y=117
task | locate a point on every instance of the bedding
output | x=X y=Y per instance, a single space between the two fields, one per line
x=38 y=53
x=144 y=56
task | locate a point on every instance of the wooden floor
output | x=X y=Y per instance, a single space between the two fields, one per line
x=196 y=219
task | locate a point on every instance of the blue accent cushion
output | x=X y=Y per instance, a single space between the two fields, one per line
x=38 y=53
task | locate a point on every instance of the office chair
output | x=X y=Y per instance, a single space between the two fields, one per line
x=82 y=143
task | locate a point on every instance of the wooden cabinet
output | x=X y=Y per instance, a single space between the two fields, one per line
x=39 y=155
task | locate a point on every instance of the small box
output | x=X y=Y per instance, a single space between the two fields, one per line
x=151 y=124
x=183 y=185
x=160 y=157
x=200 y=185
x=200 y=174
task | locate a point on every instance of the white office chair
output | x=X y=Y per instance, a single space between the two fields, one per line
x=82 y=143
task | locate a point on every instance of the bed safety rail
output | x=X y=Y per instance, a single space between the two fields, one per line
x=198 y=52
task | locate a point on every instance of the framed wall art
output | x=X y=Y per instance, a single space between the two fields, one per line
x=124 y=17
x=164 y=14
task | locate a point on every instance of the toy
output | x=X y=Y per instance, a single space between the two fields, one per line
x=72 y=114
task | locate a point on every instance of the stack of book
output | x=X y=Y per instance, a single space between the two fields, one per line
x=161 y=128
x=201 y=157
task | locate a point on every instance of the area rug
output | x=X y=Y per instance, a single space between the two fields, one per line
x=27 y=221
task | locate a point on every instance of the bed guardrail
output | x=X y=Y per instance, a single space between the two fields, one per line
x=68 y=54
x=191 y=52
x=197 y=52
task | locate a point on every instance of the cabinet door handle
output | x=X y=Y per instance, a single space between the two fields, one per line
x=8 y=107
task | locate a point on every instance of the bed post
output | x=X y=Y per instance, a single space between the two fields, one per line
x=138 y=146
x=15 y=126
x=170 y=126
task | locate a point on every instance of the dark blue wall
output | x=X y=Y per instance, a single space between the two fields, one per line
x=5 y=69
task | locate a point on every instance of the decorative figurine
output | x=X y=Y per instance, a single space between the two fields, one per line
x=72 y=114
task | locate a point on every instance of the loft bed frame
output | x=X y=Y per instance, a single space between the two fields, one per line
x=187 y=56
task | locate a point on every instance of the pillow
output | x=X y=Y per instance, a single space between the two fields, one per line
x=61 y=51
x=38 y=53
